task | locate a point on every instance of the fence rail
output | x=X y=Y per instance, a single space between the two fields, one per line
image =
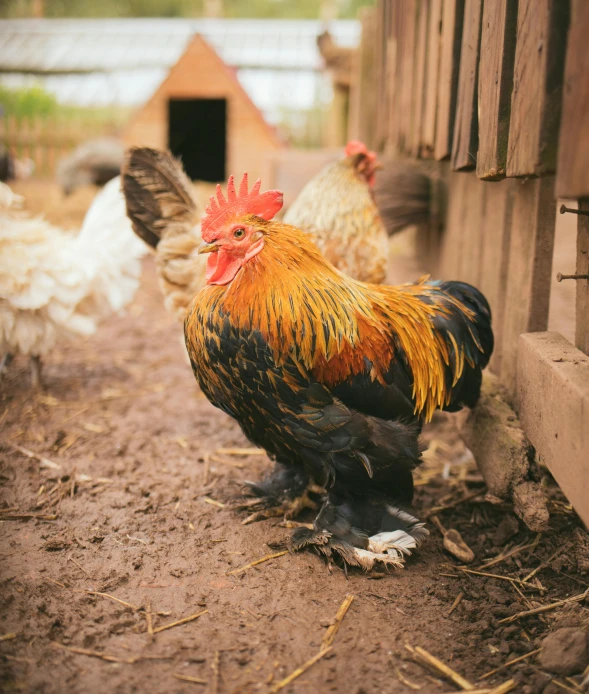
x=45 y=140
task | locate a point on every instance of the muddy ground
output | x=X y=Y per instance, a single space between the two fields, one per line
x=141 y=509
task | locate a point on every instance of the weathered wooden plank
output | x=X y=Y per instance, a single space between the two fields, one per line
x=453 y=235
x=474 y=207
x=573 y=150
x=496 y=233
x=537 y=87
x=465 y=138
x=420 y=58
x=452 y=19
x=529 y=269
x=407 y=65
x=553 y=397
x=364 y=96
x=431 y=78
x=582 y=322
x=495 y=86
x=395 y=75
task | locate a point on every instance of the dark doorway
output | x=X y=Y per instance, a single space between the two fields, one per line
x=198 y=135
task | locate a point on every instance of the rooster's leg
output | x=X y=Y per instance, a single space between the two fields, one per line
x=36 y=366
x=285 y=493
x=5 y=363
x=392 y=533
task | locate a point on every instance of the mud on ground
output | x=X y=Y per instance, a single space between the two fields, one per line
x=140 y=508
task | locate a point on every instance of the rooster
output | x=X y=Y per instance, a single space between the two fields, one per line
x=331 y=376
x=54 y=284
x=337 y=207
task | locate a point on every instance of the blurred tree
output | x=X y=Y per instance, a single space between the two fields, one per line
x=27 y=102
x=277 y=9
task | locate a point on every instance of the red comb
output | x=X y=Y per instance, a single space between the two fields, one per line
x=221 y=210
x=355 y=147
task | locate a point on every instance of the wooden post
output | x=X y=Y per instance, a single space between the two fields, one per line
x=465 y=139
x=529 y=269
x=537 y=87
x=495 y=86
x=452 y=18
x=431 y=78
x=496 y=232
x=573 y=149
x=582 y=323
x=421 y=48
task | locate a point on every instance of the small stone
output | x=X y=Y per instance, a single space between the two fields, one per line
x=508 y=527
x=564 y=652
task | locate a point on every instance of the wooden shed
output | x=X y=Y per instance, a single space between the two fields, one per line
x=492 y=98
x=204 y=116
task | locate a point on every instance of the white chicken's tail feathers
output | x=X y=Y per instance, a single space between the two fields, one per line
x=110 y=252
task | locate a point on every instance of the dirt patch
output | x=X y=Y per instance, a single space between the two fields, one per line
x=139 y=509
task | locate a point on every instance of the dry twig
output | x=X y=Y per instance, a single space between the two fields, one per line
x=544 y=608
x=456 y=602
x=186 y=678
x=112 y=597
x=406 y=682
x=215 y=669
x=240 y=451
x=421 y=655
x=510 y=662
x=8 y=637
x=299 y=671
x=185 y=620
x=329 y=636
x=45 y=462
x=258 y=561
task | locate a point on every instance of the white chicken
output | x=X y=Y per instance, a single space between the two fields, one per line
x=56 y=285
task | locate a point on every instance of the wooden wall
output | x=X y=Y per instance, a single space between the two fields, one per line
x=200 y=73
x=496 y=92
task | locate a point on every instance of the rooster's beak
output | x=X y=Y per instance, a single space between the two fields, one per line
x=208 y=248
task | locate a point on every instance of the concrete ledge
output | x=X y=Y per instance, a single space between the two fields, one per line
x=553 y=398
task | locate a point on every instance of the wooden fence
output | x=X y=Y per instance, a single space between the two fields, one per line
x=493 y=97
x=46 y=140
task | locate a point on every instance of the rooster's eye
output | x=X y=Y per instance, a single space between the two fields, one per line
x=238 y=233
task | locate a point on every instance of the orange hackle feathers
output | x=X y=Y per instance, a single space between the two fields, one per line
x=221 y=210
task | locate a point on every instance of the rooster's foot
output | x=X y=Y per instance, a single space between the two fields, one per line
x=388 y=548
x=389 y=545
x=287 y=509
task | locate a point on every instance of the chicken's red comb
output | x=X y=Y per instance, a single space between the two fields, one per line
x=356 y=147
x=220 y=210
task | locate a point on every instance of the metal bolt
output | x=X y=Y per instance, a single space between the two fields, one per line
x=564 y=208
x=560 y=277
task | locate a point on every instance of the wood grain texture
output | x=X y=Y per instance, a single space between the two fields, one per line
x=364 y=95
x=465 y=138
x=553 y=398
x=529 y=269
x=407 y=66
x=432 y=77
x=582 y=310
x=573 y=149
x=495 y=85
x=474 y=209
x=452 y=19
x=537 y=87
x=496 y=233
x=421 y=47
